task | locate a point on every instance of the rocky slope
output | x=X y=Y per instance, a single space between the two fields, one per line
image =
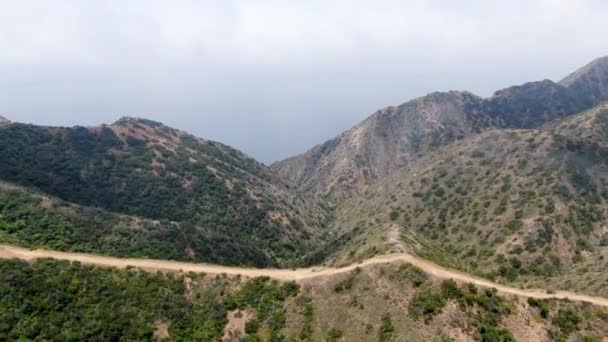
x=4 y=121
x=202 y=194
x=395 y=137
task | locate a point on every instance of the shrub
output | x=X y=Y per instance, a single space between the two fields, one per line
x=450 y=289
x=333 y=335
x=426 y=303
x=591 y=339
x=477 y=154
x=410 y=273
x=566 y=321
x=344 y=285
x=308 y=313
x=542 y=305
x=251 y=327
x=439 y=192
x=514 y=225
x=386 y=329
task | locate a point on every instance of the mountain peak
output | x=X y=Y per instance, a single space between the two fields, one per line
x=594 y=70
x=4 y=120
x=390 y=139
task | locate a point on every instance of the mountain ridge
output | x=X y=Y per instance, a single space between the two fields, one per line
x=346 y=165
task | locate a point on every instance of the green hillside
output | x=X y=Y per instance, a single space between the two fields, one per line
x=511 y=205
x=198 y=194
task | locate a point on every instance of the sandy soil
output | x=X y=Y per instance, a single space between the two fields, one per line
x=300 y=275
x=235 y=328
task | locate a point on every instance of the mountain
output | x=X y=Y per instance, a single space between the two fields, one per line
x=389 y=139
x=590 y=83
x=535 y=103
x=4 y=121
x=517 y=205
x=531 y=105
x=511 y=188
x=395 y=137
x=185 y=197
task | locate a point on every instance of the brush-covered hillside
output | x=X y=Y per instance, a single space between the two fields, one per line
x=54 y=300
x=514 y=205
x=139 y=188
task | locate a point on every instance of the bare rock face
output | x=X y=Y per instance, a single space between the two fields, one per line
x=394 y=137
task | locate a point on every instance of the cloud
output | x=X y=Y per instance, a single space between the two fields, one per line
x=275 y=77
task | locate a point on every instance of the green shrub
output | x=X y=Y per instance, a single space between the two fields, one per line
x=344 y=285
x=308 y=313
x=267 y=298
x=251 y=326
x=566 y=321
x=386 y=329
x=489 y=331
x=426 y=303
x=591 y=339
x=542 y=305
x=514 y=225
x=450 y=290
x=410 y=273
x=333 y=335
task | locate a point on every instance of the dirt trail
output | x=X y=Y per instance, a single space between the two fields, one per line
x=300 y=275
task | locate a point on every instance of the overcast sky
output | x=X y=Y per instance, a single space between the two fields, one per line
x=274 y=78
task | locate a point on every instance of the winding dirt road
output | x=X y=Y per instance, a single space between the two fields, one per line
x=299 y=275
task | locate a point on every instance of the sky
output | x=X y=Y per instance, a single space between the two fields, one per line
x=274 y=78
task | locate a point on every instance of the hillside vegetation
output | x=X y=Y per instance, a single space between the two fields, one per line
x=54 y=300
x=513 y=188
x=194 y=195
x=506 y=204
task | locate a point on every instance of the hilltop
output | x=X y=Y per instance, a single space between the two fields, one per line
x=137 y=187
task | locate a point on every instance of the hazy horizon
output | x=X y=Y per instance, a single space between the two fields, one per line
x=269 y=78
